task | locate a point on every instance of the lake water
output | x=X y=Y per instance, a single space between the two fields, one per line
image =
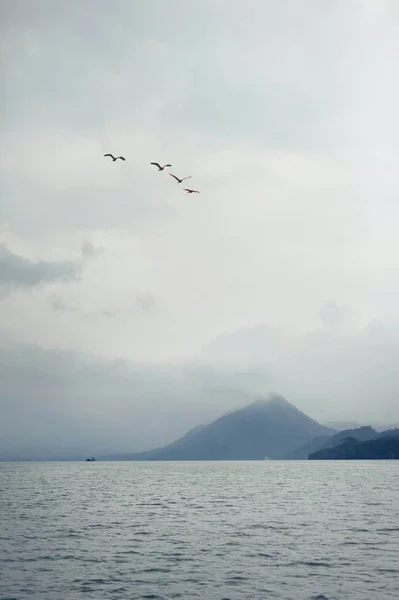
x=213 y=531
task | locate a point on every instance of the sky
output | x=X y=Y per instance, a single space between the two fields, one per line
x=281 y=275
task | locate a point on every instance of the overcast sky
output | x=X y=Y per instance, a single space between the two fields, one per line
x=286 y=116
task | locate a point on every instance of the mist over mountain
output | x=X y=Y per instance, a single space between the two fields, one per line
x=336 y=372
x=56 y=403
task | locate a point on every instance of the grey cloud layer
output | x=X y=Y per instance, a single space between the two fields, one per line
x=17 y=271
x=69 y=402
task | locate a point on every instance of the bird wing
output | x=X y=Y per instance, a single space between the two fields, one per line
x=109 y=155
x=167 y=166
x=184 y=178
x=191 y=191
x=156 y=165
x=121 y=157
x=174 y=176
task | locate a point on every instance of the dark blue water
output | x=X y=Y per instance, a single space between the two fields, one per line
x=238 y=531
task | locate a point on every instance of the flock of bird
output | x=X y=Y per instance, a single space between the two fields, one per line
x=160 y=168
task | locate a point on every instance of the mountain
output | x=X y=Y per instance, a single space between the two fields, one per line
x=324 y=442
x=382 y=446
x=148 y=454
x=265 y=428
x=303 y=451
x=389 y=433
x=341 y=425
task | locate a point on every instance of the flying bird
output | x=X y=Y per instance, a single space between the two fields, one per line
x=114 y=158
x=191 y=191
x=159 y=166
x=179 y=180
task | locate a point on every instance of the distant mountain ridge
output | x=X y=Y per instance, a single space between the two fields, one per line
x=384 y=445
x=341 y=425
x=323 y=442
x=265 y=428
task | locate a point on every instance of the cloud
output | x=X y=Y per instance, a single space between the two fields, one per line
x=88 y=249
x=110 y=314
x=339 y=317
x=286 y=118
x=145 y=300
x=59 y=305
x=19 y=272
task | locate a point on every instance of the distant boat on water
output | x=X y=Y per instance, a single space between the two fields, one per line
x=92 y=459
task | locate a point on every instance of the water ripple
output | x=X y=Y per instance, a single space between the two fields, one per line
x=207 y=531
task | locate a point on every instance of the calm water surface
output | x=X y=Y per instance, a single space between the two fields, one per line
x=214 y=531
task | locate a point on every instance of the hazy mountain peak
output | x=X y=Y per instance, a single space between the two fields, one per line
x=271 y=400
x=266 y=427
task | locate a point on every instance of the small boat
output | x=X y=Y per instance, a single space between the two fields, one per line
x=92 y=459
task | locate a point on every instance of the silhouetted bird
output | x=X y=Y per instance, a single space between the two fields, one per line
x=159 y=166
x=114 y=158
x=179 y=180
x=191 y=191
